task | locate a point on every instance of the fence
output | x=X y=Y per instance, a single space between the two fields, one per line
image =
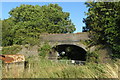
x=69 y=62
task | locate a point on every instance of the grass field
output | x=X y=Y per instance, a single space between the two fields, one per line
x=42 y=68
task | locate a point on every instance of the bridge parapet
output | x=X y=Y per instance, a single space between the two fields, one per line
x=72 y=37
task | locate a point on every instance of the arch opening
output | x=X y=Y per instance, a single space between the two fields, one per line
x=69 y=52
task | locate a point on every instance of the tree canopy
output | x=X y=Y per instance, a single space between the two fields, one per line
x=27 y=22
x=103 y=22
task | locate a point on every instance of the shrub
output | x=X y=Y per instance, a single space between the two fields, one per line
x=92 y=57
x=44 y=50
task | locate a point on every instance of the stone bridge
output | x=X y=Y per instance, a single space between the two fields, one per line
x=71 y=45
x=66 y=39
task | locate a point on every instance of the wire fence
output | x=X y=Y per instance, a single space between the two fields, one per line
x=73 y=62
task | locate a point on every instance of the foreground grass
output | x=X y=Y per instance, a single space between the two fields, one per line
x=41 y=68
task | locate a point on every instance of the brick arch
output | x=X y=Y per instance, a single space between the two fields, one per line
x=72 y=38
x=79 y=44
x=75 y=39
x=77 y=53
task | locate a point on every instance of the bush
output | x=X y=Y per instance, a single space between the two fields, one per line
x=44 y=50
x=92 y=57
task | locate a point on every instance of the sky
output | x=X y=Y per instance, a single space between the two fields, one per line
x=76 y=10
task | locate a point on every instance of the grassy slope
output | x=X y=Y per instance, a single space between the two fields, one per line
x=41 y=68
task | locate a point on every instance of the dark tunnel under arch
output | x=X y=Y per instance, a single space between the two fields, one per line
x=70 y=52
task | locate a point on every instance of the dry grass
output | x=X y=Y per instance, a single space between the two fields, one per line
x=42 y=68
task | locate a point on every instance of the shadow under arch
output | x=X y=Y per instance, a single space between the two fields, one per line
x=68 y=51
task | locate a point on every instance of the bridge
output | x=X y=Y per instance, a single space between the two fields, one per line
x=66 y=39
x=72 y=46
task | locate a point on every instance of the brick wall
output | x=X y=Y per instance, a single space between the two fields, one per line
x=73 y=37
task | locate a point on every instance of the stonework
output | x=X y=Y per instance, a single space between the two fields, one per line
x=73 y=37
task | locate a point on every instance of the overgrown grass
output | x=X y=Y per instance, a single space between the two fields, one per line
x=43 y=68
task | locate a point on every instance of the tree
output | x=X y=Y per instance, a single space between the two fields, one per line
x=49 y=18
x=7 y=33
x=30 y=21
x=102 y=22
